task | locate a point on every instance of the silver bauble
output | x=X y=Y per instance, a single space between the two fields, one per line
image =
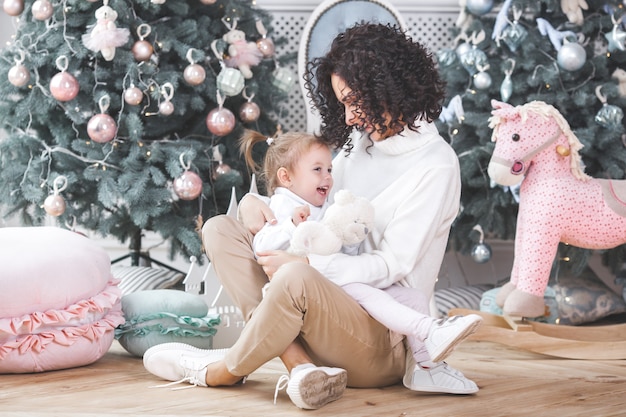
x=462 y=49
x=609 y=116
x=571 y=56
x=481 y=253
x=482 y=80
x=479 y=7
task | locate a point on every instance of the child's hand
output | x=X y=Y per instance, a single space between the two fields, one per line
x=300 y=214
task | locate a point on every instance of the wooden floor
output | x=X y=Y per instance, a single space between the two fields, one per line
x=512 y=383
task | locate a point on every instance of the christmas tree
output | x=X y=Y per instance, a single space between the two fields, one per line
x=570 y=54
x=121 y=116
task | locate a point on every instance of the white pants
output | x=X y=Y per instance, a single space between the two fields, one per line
x=401 y=309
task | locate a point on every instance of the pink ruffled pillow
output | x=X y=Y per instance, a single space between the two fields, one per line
x=59 y=303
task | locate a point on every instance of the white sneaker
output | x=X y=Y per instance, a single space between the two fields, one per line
x=446 y=333
x=437 y=377
x=179 y=362
x=311 y=387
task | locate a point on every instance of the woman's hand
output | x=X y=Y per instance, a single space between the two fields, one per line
x=253 y=213
x=271 y=260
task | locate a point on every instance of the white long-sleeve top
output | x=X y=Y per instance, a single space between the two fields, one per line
x=278 y=236
x=413 y=181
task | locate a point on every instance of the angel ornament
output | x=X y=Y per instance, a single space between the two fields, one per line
x=105 y=36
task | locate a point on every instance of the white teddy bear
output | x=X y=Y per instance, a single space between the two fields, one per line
x=345 y=224
x=242 y=54
x=105 y=36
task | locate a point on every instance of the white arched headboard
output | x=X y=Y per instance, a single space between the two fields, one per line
x=328 y=19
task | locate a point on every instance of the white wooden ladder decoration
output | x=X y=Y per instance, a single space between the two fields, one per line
x=208 y=286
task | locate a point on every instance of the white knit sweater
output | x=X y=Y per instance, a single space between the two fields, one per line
x=413 y=180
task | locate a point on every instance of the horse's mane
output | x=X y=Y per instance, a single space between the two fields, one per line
x=548 y=111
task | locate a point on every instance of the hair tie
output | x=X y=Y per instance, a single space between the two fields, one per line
x=269 y=141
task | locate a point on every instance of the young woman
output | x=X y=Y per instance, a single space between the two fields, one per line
x=297 y=176
x=378 y=93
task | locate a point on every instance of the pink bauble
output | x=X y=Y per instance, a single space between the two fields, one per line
x=63 y=86
x=166 y=108
x=19 y=75
x=42 y=10
x=220 y=121
x=221 y=169
x=54 y=205
x=188 y=186
x=208 y=1
x=194 y=74
x=249 y=112
x=133 y=96
x=101 y=128
x=13 y=7
x=142 y=50
x=266 y=46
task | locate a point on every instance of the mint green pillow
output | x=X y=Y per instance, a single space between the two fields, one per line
x=162 y=316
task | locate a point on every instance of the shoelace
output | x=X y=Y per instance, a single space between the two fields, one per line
x=192 y=381
x=195 y=383
x=282 y=383
x=190 y=377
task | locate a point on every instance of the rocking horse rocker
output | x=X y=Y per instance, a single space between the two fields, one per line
x=558 y=203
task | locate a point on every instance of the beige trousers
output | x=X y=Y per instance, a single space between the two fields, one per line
x=299 y=303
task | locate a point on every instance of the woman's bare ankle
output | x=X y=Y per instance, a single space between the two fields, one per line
x=217 y=375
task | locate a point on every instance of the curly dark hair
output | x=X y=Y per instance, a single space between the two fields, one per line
x=387 y=72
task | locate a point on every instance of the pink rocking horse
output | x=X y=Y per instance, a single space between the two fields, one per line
x=558 y=201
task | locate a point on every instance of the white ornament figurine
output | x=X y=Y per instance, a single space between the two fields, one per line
x=620 y=75
x=105 y=36
x=573 y=9
x=506 y=88
x=241 y=54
